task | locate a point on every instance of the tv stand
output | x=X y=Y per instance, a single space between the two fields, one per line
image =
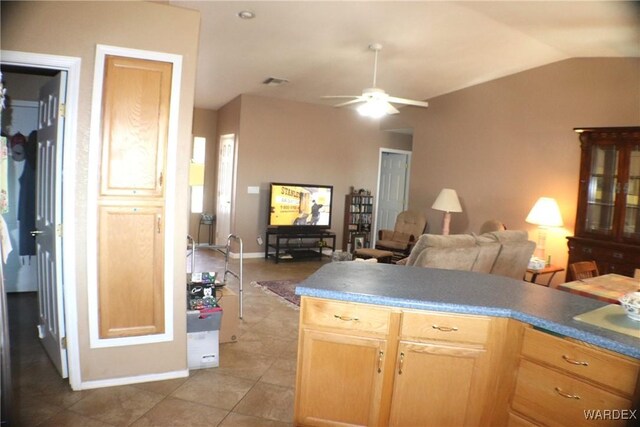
x=290 y=245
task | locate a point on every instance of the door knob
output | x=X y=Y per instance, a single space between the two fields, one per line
x=34 y=233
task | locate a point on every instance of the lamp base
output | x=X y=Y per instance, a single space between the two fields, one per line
x=446 y=220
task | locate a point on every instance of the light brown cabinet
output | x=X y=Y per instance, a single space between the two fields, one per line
x=131 y=199
x=608 y=213
x=367 y=365
x=450 y=353
x=362 y=364
x=560 y=382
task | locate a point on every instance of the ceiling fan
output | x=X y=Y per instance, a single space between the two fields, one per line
x=375 y=101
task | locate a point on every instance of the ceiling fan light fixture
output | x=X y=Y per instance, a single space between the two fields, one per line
x=374 y=108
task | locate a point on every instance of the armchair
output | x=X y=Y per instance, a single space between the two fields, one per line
x=409 y=226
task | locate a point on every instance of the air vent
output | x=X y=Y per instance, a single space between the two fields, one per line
x=275 y=81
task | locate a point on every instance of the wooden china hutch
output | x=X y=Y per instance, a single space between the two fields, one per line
x=608 y=213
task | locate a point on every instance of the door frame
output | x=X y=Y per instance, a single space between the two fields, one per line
x=377 y=199
x=66 y=261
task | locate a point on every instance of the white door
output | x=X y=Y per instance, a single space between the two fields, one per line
x=48 y=231
x=226 y=171
x=393 y=188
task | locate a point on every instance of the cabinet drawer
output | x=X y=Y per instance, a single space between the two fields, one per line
x=557 y=399
x=596 y=365
x=347 y=316
x=445 y=327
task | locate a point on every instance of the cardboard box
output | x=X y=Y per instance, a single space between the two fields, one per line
x=203 y=350
x=228 y=300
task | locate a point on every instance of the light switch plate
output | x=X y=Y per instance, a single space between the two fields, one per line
x=253 y=190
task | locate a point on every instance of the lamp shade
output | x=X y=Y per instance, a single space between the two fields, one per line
x=447 y=201
x=545 y=213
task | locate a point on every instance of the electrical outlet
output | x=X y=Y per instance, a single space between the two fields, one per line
x=259 y=240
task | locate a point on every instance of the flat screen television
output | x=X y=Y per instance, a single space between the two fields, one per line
x=300 y=206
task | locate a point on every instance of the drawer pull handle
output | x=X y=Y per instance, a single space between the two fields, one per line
x=445 y=328
x=401 y=363
x=380 y=355
x=567 y=395
x=574 y=362
x=345 y=318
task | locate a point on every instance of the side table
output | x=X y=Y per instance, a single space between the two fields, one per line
x=551 y=269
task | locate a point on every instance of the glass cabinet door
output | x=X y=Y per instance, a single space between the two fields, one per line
x=631 y=228
x=601 y=197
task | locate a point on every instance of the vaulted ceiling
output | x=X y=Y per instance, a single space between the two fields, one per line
x=429 y=47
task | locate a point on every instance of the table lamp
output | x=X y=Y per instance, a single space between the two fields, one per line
x=545 y=213
x=447 y=201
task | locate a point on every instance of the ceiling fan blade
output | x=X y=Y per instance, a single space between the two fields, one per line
x=391 y=109
x=353 y=101
x=408 y=101
x=340 y=96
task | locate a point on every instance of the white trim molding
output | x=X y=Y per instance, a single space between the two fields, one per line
x=67 y=261
x=94 y=182
x=112 y=382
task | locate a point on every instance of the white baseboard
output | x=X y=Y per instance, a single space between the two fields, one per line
x=111 y=382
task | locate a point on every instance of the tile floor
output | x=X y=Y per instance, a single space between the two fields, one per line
x=254 y=385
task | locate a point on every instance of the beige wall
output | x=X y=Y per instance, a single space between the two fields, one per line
x=285 y=141
x=74 y=29
x=504 y=143
x=204 y=125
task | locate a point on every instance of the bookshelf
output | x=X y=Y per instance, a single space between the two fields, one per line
x=358 y=220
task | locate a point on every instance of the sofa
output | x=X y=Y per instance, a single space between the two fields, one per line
x=504 y=253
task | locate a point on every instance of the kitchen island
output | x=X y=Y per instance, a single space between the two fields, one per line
x=395 y=345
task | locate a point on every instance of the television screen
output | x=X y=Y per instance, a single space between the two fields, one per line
x=300 y=205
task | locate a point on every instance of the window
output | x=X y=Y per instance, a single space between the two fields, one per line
x=196 y=174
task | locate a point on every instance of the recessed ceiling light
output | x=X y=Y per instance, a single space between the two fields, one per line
x=246 y=14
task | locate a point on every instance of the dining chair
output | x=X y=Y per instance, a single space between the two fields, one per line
x=583 y=270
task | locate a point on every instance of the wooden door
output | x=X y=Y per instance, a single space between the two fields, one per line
x=437 y=385
x=51 y=325
x=341 y=379
x=131 y=283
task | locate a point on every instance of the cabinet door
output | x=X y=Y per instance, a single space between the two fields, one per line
x=631 y=226
x=135 y=126
x=438 y=385
x=130 y=271
x=339 y=379
x=602 y=186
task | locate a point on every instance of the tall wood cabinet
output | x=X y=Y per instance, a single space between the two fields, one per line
x=131 y=201
x=358 y=220
x=608 y=213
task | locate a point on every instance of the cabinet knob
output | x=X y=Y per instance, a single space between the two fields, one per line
x=345 y=318
x=445 y=328
x=573 y=361
x=566 y=395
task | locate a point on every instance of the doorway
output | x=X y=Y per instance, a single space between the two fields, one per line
x=56 y=126
x=226 y=181
x=393 y=188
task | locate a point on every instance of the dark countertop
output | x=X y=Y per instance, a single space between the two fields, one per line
x=468 y=293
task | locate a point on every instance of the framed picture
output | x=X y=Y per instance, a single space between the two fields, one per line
x=358 y=241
